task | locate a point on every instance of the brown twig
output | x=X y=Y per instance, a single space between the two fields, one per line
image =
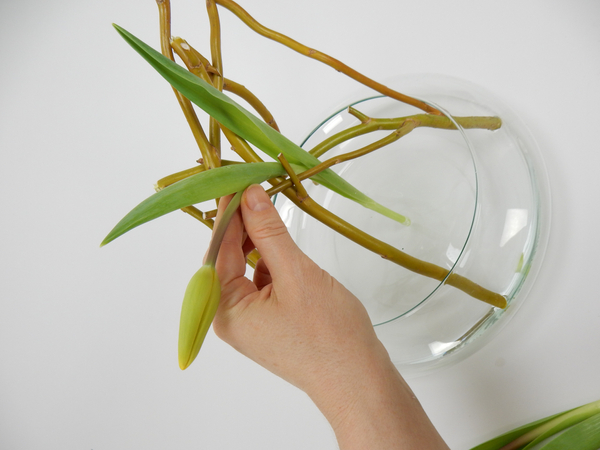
x=252 y=258
x=217 y=63
x=393 y=254
x=360 y=237
x=403 y=130
x=370 y=124
x=359 y=115
x=210 y=214
x=207 y=151
x=199 y=66
x=321 y=57
x=307 y=204
x=174 y=178
x=301 y=192
x=192 y=59
x=178 y=176
x=373 y=244
x=299 y=195
x=199 y=216
x=252 y=100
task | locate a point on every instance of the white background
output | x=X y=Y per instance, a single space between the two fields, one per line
x=88 y=335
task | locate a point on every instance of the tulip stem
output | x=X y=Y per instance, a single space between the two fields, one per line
x=221 y=227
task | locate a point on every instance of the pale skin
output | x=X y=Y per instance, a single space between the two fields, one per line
x=301 y=324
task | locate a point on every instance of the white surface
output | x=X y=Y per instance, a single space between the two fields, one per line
x=88 y=336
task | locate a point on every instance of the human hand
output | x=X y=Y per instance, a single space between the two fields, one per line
x=293 y=318
x=303 y=325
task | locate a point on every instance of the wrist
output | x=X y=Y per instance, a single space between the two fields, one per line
x=373 y=407
x=342 y=389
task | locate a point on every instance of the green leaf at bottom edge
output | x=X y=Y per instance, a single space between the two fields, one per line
x=583 y=436
x=506 y=438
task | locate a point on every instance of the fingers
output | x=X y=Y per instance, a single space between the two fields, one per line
x=262 y=276
x=268 y=232
x=261 y=228
x=231 y=263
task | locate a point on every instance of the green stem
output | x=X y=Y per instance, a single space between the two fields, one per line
x=221 y=227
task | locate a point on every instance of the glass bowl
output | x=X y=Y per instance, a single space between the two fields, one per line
x=478 y=202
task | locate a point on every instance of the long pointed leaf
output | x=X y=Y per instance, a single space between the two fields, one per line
x=565 y=421
x=506 y=438
x=528 y=436
x=247 y=125
x=196 y=189
x=583 y=436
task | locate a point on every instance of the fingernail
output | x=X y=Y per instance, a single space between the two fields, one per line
x=257 y=199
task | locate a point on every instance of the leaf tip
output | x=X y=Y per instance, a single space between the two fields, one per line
x=120 y=30
x=107 y=240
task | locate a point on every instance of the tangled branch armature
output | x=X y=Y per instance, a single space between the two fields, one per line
x=202 y=82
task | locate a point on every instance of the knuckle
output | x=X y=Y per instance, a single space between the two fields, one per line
x=270 y=229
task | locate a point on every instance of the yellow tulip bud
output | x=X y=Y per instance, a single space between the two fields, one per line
x=198 y=310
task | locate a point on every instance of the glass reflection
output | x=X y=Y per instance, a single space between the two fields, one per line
x=516 y=220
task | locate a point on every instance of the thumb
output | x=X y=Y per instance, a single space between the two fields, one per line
x=267 y=231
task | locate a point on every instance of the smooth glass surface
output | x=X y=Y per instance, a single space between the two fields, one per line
x=478 y=204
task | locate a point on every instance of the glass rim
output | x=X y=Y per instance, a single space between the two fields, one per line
x=472 y=221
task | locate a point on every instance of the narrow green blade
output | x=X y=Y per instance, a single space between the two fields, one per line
x=566 y=420
x=246 y=125
x=530 y=435
x=196 y=189
x=583 y=436
x=506 y=438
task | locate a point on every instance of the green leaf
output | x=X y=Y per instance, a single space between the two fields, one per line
x=583 y=436
x=564 y=421
x=246 y=125
x=508 y=437
x=196 y=189
x=528 y=436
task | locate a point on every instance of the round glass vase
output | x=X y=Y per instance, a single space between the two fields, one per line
x=478 y=205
